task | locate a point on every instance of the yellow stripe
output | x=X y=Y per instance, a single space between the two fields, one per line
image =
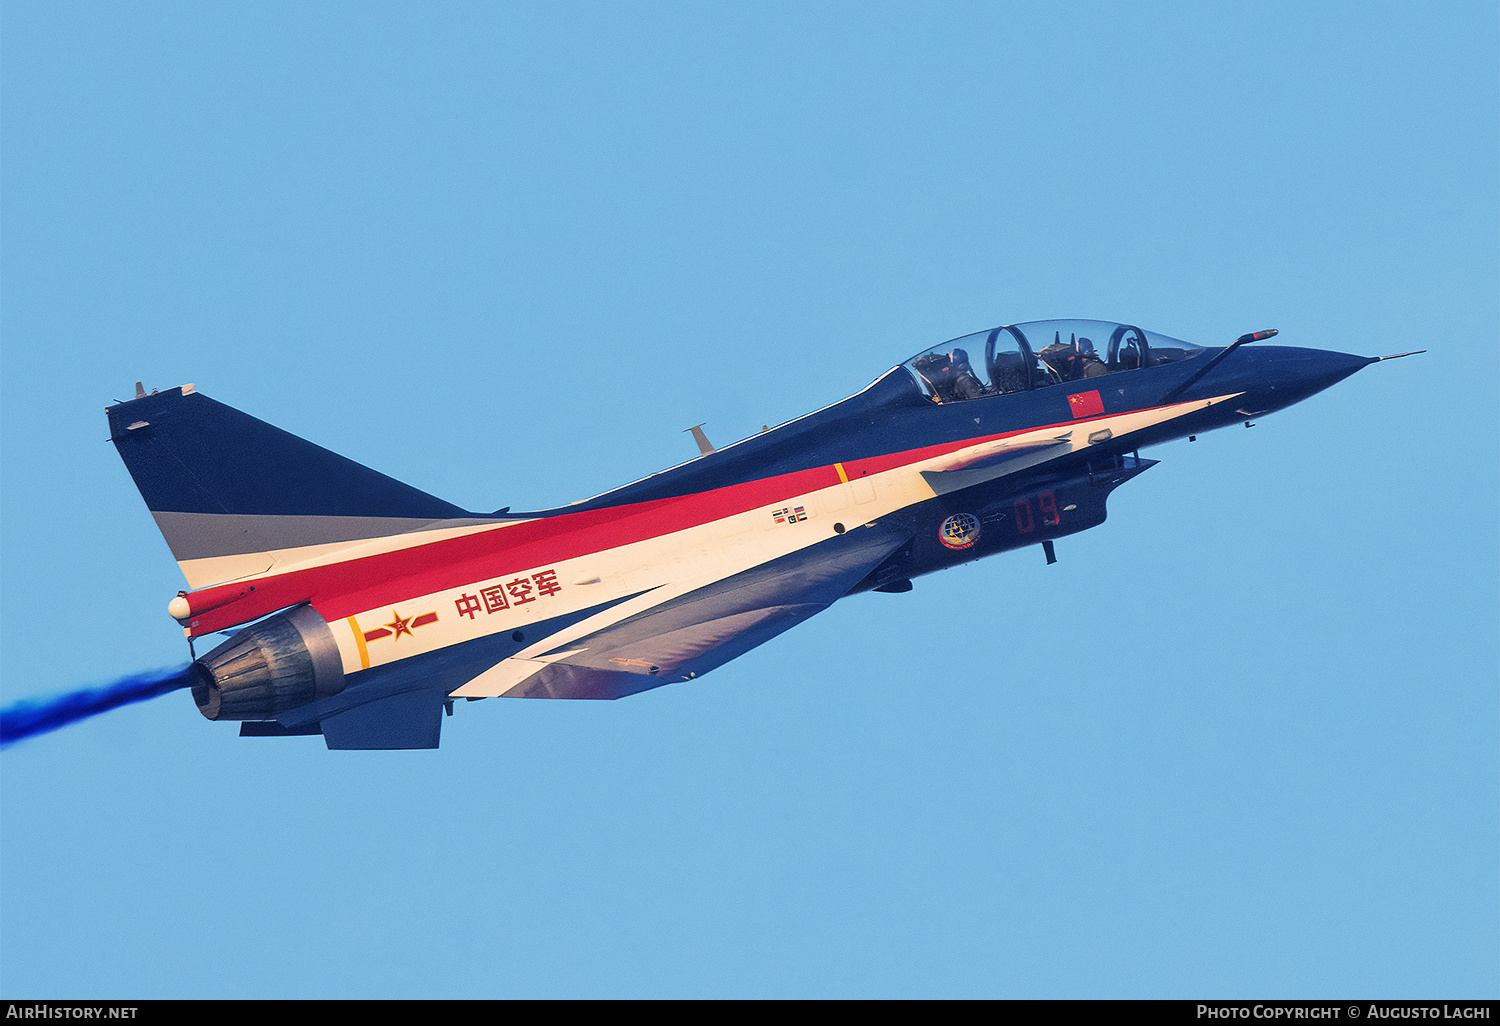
x=359 y=639
x=842 y=476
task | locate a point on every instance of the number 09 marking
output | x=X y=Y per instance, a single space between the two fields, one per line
x=1026 y=520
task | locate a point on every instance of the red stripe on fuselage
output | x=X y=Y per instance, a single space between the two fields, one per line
x=364 y=582
x=341 y=589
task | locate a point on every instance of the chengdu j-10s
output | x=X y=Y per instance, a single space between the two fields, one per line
x=375 y=605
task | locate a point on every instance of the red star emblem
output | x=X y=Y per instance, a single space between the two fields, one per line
x=399 y=624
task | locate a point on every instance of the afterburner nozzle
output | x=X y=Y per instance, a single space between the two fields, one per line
x=280 y=663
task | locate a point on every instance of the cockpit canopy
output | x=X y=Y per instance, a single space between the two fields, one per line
x=1020 y=357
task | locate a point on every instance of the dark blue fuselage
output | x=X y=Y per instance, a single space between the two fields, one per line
x=893 y=415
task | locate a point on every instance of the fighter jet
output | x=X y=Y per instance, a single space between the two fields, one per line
x=373 y=606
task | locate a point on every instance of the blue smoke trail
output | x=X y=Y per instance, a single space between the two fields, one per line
x=26 y=719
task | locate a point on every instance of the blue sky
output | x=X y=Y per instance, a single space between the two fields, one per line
x=1240 y=741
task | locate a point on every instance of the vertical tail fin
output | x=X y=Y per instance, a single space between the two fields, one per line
x=233 y=495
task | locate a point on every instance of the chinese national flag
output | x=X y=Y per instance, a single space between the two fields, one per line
x=1086 y=404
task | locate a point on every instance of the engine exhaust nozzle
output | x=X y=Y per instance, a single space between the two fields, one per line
x=276 y=665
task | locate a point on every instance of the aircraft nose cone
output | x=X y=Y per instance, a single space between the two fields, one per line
x=1326 y=367
x=1287 y=375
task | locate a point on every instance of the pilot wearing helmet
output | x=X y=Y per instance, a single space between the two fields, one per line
x=966 y=384
x=950 y=374
x=1061 y=358
x=1093 y=366
x=1074 y=359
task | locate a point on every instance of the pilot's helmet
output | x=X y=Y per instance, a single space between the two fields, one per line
x=1086 y=347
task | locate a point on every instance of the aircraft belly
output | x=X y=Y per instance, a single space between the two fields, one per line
x=650 y=572
x=661 y=659
x=685 y=635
